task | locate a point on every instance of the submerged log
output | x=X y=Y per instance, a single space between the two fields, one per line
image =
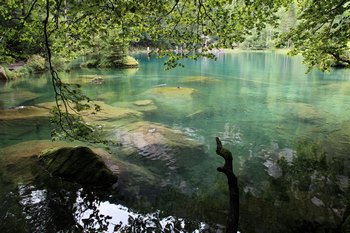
x=233 y=216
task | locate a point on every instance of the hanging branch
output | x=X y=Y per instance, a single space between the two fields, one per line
x=56 y=82
x=233 y=216
x=69 y=101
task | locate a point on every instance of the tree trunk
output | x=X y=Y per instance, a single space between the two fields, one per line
x=233 y=216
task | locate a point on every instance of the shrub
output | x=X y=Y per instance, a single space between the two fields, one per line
x=35 y=63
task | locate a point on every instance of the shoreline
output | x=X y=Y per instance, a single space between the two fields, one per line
x=228 y=50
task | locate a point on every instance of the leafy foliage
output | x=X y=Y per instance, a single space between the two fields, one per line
x=322 y=34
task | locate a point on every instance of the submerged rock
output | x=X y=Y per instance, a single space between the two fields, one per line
x=23 y=112
x=173 y=91
x=199 y=79
x=78 y=164
x=158 y=143
x=107 y=112
x=298 y=111
x=144 y=105
x=288 y=154
x=143 y=102
x=175 y=101
x=15 y=98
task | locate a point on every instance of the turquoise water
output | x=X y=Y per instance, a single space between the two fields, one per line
x=261 y=104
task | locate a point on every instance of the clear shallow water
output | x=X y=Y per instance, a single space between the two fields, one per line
x=261 y=104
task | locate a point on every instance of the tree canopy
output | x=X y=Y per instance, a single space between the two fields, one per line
x=319 y=30
x=322 y=33
x=76 y=27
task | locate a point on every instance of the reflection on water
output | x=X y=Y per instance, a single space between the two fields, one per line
x=111 y=217
x=288 y=131
x=91 y=214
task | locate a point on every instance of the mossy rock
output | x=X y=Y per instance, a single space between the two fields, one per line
x=17 y=161
x=124 y=62
x=78 y=164
x=129 y=62
x=35 y=63
x=107 y=112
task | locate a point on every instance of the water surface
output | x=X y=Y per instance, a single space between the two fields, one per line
x=261 y=104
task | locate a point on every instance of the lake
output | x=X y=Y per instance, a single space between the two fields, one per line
x=289 y=133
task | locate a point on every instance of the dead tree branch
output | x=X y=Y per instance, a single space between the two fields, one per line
x=233 y=216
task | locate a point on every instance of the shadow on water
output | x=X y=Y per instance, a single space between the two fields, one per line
x=53 y=205
x=282 y=191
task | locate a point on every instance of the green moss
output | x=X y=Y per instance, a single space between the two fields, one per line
x=105 y=62
x=11 y=75
x=59 y=63
x=122 y=62
x=129 y=61
x=91 y=63
x=35 y=63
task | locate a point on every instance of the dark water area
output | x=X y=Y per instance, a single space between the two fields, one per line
x=289 y=133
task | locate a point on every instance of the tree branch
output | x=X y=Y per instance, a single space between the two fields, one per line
x=30 y=10
x=233 y=216
x=339 y=58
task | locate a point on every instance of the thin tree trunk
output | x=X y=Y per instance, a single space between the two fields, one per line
x=233 y=216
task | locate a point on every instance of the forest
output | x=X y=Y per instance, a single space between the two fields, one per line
x=121 y=116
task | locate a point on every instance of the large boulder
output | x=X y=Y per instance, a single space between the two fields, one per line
x=78 y=164
x=16 y=161
x=19 y=163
